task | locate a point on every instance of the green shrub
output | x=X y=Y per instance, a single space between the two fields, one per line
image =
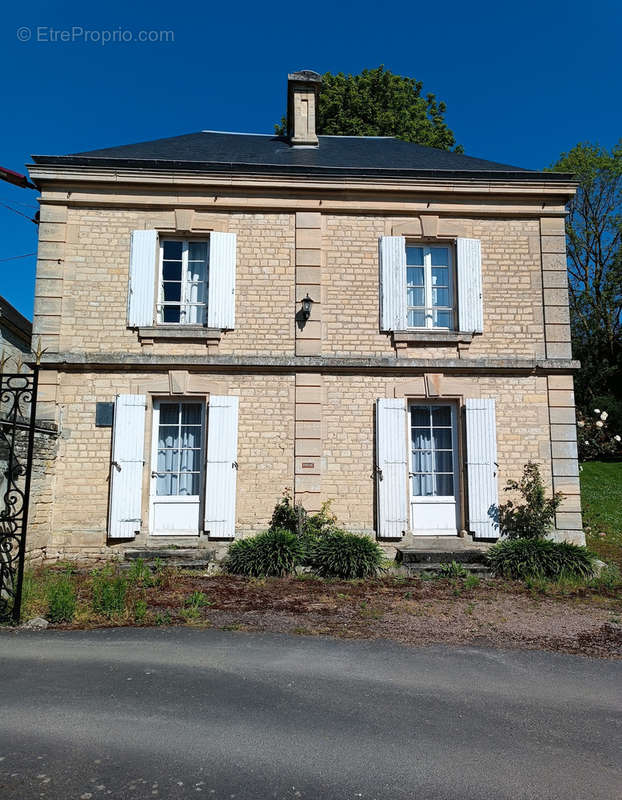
x=108 y=593
x=140 y=574
x=287 y=516
x=533 y=518
x=345 y=555
x=61 y=597
x=273 y=553
x=452 y=570
x=540 y=558
x=471 y=582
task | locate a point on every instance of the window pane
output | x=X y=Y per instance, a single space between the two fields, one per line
x=169 y=413
x=171 y=271
x=414 y=256
x=415 y=276
x=416 y=297
x=422 y=461
x=441 y=415
x=197 y=251
x=440 y=297
x=170 y=314
x=195 y=315
x=444 y=485
x=168 y=436
x=172 y=249
x=423 y=485
x=196 y=293
x=441 y=438
x=420 y=415
x=440 y=256
x=171 y=292
x=164 y=485
x=190 y=461
x=442 y=319
x=189 y=483
x=191 y=413
x=421 y=438
x=190 y=435
x=416 y=319
x=168 y=460
x=443 y=461
x=440 y=276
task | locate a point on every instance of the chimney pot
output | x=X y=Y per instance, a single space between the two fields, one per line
x=302 y=92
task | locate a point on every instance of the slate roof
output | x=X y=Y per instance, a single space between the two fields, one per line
x=335 y=156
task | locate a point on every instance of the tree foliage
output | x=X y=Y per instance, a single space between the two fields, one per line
x=379 y=103
x=594 y=240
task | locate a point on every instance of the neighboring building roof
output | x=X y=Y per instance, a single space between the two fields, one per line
x=335 y=155
x=11 y=319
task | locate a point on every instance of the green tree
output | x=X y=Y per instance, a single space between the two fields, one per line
x=379 y=103
x=594 y=240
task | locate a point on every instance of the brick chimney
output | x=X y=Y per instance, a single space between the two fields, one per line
x=302 y=92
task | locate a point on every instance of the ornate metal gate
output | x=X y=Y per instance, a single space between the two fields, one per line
x=18 y=396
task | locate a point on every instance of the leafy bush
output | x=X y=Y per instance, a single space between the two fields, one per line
x=108 y=593
x=533 y=518
x=61 y=597
x=286 y=515
x=345 y=555
x=452 y=570
x=594 y=439
x=540 y=558
x=275 y=552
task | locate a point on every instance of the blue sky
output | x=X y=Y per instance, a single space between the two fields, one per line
x=522 y=81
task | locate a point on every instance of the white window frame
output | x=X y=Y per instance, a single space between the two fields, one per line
x=427 y=272
x=184 y=302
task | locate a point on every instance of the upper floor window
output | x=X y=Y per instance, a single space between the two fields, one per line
x=429 y=286
x=183 y=285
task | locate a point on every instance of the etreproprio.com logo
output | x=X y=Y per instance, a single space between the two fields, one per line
x=48 y=35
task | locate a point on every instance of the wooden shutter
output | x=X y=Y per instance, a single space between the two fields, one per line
x=141 y=294
x=392 y=256
x=391 y=467
x=222 y=265
x=470 y=304
x=126 y=470
x=481 y=435
x=222 y=467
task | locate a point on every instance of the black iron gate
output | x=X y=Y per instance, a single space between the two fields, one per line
x=18 y=396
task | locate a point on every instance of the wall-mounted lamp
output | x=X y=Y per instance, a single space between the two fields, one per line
x=307 y=302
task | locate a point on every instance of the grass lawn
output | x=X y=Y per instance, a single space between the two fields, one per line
x=601 y=496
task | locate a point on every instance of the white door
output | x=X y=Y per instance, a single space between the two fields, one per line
x=178 y=456
x=434 y=469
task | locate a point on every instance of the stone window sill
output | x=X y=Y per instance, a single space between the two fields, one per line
x=195 y=333
x=432 y=337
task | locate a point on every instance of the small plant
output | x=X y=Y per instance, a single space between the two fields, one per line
x=452 y=570
x=345 y=555
x=533 y=518
x=140 y=611
x=540 y=558
x=197 y=600
x=608 y=579
x=61 y=598
x=287 y=516
x=108 y=593
x=273 y=553
x=471 y=582
x=163 y=618
x=139 y=574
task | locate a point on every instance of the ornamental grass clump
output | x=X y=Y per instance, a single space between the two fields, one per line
x=273 y=553
x=345 y=555
x=521 y=559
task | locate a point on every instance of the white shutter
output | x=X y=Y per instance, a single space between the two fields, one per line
x=222 y=467
x=221 y=290
x=141 y=293
x=392 y=256
x=126 y=470
x=470 y=304
x=392 y=467
x=481 y=435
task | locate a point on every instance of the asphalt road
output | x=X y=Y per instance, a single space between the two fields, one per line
x=181 y=712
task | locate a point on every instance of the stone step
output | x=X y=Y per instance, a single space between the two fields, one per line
x=194 y=557
x=408 y=555
x=417 y=568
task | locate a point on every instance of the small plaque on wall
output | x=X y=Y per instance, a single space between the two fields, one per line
x=103 y=415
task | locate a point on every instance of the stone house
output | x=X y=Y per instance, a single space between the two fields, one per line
x=358 y=319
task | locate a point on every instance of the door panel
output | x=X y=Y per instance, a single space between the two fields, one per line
x=434 y=469
x=177 y=467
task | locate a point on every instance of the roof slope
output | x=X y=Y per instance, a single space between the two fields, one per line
x=351 y=155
